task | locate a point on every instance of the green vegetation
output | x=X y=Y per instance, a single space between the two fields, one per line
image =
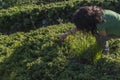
x=31 y=16
x=39 y=49
x=27 y=17
x=38 y=54
x=6 y=4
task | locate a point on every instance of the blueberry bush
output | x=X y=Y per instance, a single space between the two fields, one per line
x=40 y=55
x=32 y=16
x=35 y=52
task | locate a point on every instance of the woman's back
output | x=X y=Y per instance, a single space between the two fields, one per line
x=111 y=24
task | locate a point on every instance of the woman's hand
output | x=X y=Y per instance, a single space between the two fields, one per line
x=63 y=36
x=103 y=33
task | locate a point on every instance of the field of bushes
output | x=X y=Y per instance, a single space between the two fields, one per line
x=31 y=50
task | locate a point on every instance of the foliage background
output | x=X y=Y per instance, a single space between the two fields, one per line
x=29 y=51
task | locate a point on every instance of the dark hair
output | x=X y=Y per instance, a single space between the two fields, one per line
x=86 y=18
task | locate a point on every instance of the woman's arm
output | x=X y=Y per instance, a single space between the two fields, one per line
x=63 y=36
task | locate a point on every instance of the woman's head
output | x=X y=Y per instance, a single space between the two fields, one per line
x=86 y=18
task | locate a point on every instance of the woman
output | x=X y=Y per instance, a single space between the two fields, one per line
x=103 y=24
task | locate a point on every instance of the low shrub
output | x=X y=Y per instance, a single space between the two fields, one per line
x=27 y=17
x=6 y=4
x=40 y=55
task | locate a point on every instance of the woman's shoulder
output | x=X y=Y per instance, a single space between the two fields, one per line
x=110 y=12
x=111 y=15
